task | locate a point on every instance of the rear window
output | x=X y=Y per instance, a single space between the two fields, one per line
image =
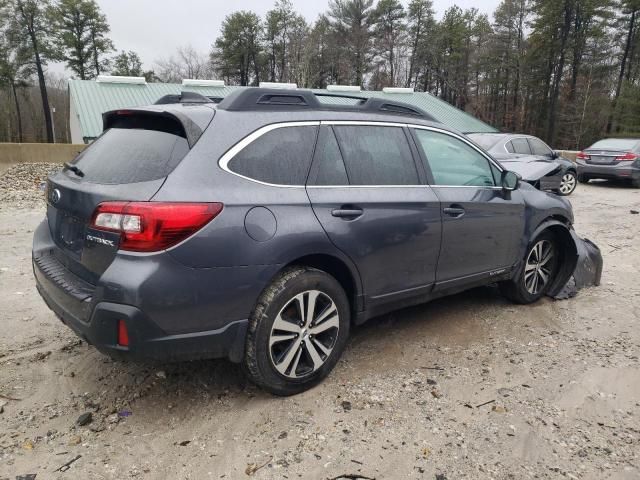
x=615 y=144
x=125 y=155
x=281 y=156
x=486 y=141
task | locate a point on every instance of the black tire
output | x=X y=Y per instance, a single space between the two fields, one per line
x=261 y=357
x=518 y=289
x=571 y=184
x=583 y=178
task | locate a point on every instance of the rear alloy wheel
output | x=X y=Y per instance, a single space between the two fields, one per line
x=568 y=183
x=297 y=331
x=304 y=334
x=540 y=268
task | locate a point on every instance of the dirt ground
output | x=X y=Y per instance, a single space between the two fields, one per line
x=465 y=387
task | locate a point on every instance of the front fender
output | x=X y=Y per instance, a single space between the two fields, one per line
x=581 y=263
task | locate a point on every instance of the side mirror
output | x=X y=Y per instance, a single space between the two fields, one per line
x=555 y=154
x=510 y=181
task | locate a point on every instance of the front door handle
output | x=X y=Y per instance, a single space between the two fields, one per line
x=455 y=212
x=348 y=213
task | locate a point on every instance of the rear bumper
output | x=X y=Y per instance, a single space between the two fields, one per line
x=172 y=312
x=146 y=340
x=625 y=171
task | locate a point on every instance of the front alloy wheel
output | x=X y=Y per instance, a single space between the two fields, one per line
x=541 y=263
x=304 y=334
x=539 y=267
x=568 y=183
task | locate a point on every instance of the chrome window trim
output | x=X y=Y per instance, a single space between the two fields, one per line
x=364 y=123
x=224 y=161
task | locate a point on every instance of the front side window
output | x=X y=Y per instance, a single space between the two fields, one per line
x=377 y=155
x=453 y=162
x=281 y=156
x=521 y=146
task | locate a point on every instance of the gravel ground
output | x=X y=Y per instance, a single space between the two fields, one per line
x=22 y=186
x=467 y=387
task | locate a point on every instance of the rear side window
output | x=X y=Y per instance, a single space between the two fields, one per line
x=521 y=146
x=509 y=147
x=538 y=147
x=281 y=156
x=126 y=155
x=377 y=155
x=453 y=162
x=328 y=166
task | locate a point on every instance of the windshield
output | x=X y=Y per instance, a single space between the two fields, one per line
x=615 y=144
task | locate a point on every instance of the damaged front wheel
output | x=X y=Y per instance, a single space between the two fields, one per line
x=540 y=269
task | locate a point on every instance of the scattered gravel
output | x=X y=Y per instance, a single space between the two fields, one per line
x=22 y=186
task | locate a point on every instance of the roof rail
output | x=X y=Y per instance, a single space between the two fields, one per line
x=269 y=99
x=186 y=97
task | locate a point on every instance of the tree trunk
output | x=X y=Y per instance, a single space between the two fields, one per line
x=96 y=57
x=43 y=89
x=623 y=64
x=18 y=114
x=555 y=92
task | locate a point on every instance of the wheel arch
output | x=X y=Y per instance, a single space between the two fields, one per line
x=346 y=275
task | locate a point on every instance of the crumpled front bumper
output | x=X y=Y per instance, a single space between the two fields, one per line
x=588 y=270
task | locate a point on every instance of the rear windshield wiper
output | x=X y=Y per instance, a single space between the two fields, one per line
x=74 y=169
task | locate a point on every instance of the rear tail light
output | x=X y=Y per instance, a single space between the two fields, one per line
x=123 y=334
x=582 y=156
x=153 y=226
x=627 y=157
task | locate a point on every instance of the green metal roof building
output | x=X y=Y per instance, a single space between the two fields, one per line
x=89 y=99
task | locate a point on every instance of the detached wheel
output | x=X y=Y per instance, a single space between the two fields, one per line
x=541 y=265
x=568 y=183
x=297 y=331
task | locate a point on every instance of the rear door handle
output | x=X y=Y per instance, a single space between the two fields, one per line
x=455 y=212
x=349 y=213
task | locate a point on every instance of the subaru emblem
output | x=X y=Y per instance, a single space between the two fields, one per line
x=55 y=196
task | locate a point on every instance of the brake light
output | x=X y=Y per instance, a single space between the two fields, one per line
x=123 y=334
x=582 y=156
x=627 y=157
x=153 y=226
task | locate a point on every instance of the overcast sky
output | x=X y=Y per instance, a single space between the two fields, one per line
x=155 y=28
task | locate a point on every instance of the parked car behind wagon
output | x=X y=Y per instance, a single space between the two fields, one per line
x=526 y=155
x=612 y=159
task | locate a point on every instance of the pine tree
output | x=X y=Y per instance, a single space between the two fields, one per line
x=81 y=36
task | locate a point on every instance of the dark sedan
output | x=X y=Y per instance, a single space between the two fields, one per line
x=612 y=158
x=521 y=148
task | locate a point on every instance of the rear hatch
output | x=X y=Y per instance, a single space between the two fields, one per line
x=128 y=162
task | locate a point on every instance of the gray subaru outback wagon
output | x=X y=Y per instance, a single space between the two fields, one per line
x=263 y=228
